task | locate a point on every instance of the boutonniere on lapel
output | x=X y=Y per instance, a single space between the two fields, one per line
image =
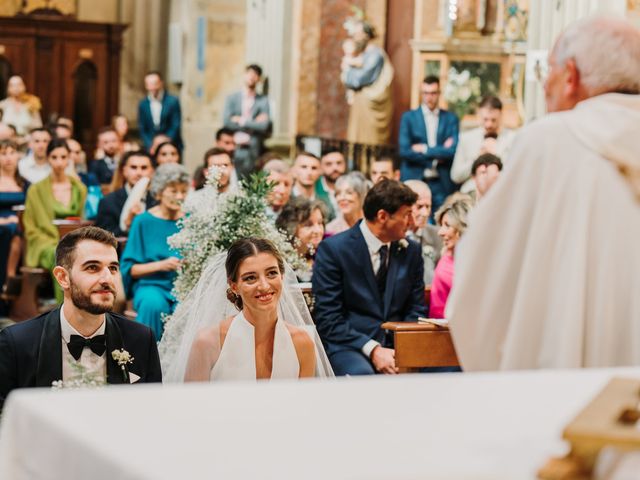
x=123 y=358
x=401 y=245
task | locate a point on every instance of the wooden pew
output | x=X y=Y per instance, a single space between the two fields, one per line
x=421 y=345
x=28 y=305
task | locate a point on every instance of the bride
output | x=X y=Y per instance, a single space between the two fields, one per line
x=272 y=335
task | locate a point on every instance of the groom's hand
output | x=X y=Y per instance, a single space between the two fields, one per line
x=384 y=360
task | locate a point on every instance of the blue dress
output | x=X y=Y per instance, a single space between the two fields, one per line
x=8 y=200
x=152 y=293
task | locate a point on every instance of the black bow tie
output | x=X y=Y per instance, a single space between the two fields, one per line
x=77 y=343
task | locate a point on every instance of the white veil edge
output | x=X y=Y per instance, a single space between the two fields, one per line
x=207 y=306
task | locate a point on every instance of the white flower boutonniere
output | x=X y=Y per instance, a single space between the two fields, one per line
x=403 y=243
x=123 y=358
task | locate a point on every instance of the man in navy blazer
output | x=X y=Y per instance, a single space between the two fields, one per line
x=158 y=112
x=427 y=143
x=366 y=276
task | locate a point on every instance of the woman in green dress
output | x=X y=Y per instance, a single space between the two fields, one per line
x=58 y=196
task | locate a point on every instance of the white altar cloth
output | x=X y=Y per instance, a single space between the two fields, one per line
x=440 y=426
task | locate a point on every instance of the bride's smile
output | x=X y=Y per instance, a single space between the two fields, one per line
x=259 y=282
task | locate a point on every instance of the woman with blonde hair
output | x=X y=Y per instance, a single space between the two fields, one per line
x=20 y=109
x=452 y=219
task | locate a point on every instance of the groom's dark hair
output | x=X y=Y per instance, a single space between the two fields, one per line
x=388 y=195
x=65 y=251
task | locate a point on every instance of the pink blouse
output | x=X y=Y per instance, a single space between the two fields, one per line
x=441 y=286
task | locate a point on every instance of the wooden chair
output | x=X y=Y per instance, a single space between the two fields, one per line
x=420 y=345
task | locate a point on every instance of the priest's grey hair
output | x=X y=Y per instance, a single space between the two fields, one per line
x=165 y=174
x=606 y=51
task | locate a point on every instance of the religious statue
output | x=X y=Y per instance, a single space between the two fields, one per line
x=367 y=74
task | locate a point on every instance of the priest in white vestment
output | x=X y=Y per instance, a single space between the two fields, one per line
x=548 y=273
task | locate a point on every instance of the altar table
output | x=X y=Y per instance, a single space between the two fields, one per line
x=430 y=426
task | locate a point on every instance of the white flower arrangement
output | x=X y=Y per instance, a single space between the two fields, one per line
x=217 y=220
x=81 y=380
x=462 y=91
x=403 y=243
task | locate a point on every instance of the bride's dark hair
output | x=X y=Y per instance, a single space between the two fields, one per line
x=238 y=252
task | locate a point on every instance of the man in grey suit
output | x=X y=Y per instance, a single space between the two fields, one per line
x=247 y=113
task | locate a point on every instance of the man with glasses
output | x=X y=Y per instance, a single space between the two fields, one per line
x=427 y=142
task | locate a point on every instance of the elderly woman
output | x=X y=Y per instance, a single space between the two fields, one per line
x=350 y=192
x=452 y=218
x=303 y=222
x=148 y=263
x=58 y=196
x=20 y=109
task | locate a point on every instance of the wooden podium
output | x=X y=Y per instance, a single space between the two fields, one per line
x=420 y=345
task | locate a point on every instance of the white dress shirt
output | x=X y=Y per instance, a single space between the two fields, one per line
x=373 y=245
x=431 y=119
x=155 y=104
x=89 y=360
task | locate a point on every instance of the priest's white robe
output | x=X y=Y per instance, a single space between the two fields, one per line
x=548 y=273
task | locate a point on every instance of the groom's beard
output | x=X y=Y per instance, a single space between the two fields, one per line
x=84 y=302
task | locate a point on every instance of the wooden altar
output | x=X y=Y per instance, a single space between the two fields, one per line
x=476 y=49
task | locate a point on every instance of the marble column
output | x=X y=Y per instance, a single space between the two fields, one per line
x=547 y=18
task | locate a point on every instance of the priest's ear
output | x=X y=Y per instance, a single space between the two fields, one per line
x=62 y=277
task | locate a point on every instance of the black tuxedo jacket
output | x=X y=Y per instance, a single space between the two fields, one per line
x=31 y=352
x=110 y=208
x=101 y=170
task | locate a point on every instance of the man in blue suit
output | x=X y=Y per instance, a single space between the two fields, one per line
x=427 y=141
x=366 y=276
x=158 y=112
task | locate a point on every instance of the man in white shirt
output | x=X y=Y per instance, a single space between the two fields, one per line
x=34 y=166
x=366 y=276
x=489 y=137
x=81 y=336
x=306 y=171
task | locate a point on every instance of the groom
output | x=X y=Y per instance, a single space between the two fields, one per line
x=366 y=276
x=82 y=333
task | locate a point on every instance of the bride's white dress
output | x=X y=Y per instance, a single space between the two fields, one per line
x=237 y=360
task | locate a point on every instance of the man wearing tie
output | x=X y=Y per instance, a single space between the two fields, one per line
x=82 y=335
x=158 y=112
x=366 y=276
x=247 y=114
x=427 y=143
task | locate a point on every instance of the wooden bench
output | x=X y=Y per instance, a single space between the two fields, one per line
x=420 y=345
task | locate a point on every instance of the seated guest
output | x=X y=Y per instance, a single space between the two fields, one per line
x=109 y=152
x=78 y=162
x=332 y=165
x=224 y=140
x=13 y=190
x=120 y=124
x=366 y=276
x=485 y=171
x=303 y=222
x=214 y=159
x=149 y=265
x=7 y=132
x=452 y=218
x=55 y=346
x=282 y=179
x=134 y=166
x=489 y=137
x=306 y=171
x=58 y=196
x=158 y=140
x=167 y=152
x=421 y=231
x=386 y=166
x=60 y=130
x=34 y=166
x=351 y=189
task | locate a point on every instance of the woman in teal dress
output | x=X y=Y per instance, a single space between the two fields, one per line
x=148 y=264
x=58 y=196
x=13 y=190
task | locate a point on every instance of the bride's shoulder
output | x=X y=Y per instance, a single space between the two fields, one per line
x=213 y=335
x=301 y=339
